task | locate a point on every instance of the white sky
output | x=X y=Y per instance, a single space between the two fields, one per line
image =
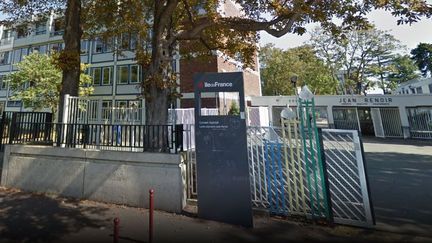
x=409 y=36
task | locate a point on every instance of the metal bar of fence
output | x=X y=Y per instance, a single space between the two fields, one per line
x=155 y=138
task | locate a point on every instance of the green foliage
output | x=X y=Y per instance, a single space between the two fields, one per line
x=358 y=57
x=422 y=55
x=38 y=82
x=278 y=66
x=234 y=109
x=404 y=69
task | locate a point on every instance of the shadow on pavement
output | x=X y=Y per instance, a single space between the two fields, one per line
x=33 y=218
x=397 y=141
x=400 y=185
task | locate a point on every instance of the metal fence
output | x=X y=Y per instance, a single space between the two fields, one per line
x=138 y=138
x=34 y=120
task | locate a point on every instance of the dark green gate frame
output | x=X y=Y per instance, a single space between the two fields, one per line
x=314 y=161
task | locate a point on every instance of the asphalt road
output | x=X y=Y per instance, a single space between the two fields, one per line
x=400 y=179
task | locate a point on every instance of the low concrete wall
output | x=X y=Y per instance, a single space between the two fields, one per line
x=107 y=176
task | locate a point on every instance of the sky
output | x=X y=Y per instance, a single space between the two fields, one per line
x=409 y=35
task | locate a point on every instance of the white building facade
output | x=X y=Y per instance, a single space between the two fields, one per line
x=416 y=86
x=115 y=76
x=403 y=116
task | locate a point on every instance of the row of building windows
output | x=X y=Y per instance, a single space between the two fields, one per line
x=38 y=28
x=98 y=47
x=19 y=54
x=126 y=74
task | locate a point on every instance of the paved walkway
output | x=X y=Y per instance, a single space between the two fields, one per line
x=400 y=178
x=26 y=217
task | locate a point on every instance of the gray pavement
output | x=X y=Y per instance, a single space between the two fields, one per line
x=26 y=217
x=400 y=179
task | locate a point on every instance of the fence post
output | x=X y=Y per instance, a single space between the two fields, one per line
x=86 y=135
x=178 y=138
x=65 y=117
x=325 y=175
x=116 y=230
x=2 y=125
x=12 y=128
x=151 y=209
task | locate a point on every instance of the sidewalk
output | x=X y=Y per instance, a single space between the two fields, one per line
x=26 y=217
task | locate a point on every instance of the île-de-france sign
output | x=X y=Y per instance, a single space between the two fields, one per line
x=221 y=151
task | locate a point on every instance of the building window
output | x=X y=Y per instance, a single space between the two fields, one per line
x=97 y=74
x=106 y=104
x=106 y=75
x=6 y=34
x=56 y=47
x=412 y=90
x=121 y=104
x=419 y=90
x=2 y=107
x=128 y=41
x=430 y=88
x=124 y=43
x=3 y=83
x=22 y=31
x=98 y=46
x=4 y=58
x=122 y=74
x=58 y=27
x=40 y=49
x=14 y=103
x=84 y=46
x=40 y=27
x=102 y=46
x=134 y=74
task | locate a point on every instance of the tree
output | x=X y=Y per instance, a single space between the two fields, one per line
x=24 y=11
x=403 y=69
x=278 y=66
x=161 y=26
x=422 y=55
x=359 y=54
x=38 y=82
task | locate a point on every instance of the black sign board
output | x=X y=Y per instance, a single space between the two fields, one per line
x=221 y=150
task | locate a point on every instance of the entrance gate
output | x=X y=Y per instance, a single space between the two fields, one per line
x=391 y=122
x=420 y=120
x=381 y=121
x=346 y=118
x=279 y=180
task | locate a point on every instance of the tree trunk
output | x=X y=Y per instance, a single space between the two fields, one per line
x=156 y=117
x=157 y=107
x=72 y=38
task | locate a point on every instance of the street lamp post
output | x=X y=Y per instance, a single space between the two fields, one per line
x=294 y=83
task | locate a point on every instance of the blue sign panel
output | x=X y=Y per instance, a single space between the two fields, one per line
x=221 y=149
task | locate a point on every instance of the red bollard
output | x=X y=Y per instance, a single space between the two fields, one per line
x=151 y=208
x=116 y=230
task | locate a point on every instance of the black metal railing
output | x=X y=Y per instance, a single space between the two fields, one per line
x=138 y=138
x=9 y=119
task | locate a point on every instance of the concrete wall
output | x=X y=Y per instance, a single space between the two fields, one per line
x=107 y=176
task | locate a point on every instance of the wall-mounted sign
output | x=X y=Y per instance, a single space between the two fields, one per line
x=221 y=150
x=366 y=101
